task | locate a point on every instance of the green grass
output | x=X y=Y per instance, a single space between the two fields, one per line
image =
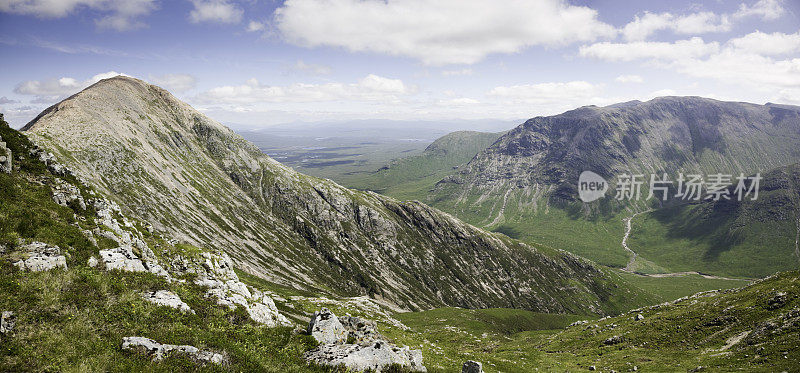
x=671 y=288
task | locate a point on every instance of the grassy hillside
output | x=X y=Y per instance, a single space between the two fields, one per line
x=414 y=176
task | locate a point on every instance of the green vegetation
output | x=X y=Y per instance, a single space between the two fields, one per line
x=673 y=287
x=413 y=176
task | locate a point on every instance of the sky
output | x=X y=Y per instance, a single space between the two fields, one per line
x=253 y=63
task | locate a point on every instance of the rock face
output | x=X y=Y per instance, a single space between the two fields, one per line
x=5 y=157
x=38 y=256
x=158 y=351
x=167 y=298
x=472 y=367
x=356 y=344
x=209 y=187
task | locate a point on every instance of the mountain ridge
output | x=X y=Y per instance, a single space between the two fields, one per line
x=205 y=184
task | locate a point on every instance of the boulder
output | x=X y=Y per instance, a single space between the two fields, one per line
x=355 y=343
x=325 y=327
x=7 y=322
x=157 y=351
x=39 y=256
x=167 y=298
x=470 y=366
x=122 y=258
x=376 y=356
x=5 y=157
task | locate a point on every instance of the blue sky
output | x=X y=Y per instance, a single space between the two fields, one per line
x=255 y=63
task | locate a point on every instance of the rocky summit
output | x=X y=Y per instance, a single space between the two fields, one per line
x=192 y=178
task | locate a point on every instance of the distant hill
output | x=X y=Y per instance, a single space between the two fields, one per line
x=410 y=177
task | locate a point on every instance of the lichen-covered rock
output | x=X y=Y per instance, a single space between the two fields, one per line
x=355 y=343
x=7 y=322
x=215 y=271
x=5 y=158
x=167 y=298
x=376 y=356
x=472 y=367
x=122 y=258
x=325 y=327
x=39 y=256
x=158 y=351
x=65 y=193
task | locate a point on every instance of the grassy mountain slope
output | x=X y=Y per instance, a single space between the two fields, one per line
x=727 y=237
x=74 y=319
x=525 y=184
x=191 y=177
x=409 y=177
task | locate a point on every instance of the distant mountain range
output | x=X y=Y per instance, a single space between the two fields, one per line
x=525 y=183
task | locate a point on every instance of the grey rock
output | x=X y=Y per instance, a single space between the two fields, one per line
x=7 y=322
x=123 y=259
x=377 y=356
x=167 y=298
x=638 y=317
x=325 y=327
x=157 y=351
x=617 y=339
x=39 y=256
x=355 y=343
x=65 y=193
x=5 y=158
x=92 y=262
x=472 y=367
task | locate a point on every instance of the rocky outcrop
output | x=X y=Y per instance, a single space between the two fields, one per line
x=472 y=367
x=356 y=344
x=158 y=351
x=168 y=299
x=5 y=157
x=39 y=256
x=215 y=271
x=65 y=193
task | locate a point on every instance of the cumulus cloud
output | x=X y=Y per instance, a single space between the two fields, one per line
x=440 y=32
x=5 y=100
x=174 y=82
x=753 y=60
x=767 y=44
x=629 y=79
x=117 y=15
x=543 y=93
x=698 y=23
x=50 y=90
x=216 y=11
x=678 y=50
x=369 y=88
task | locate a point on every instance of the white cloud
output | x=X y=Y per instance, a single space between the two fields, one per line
x=681 y=49
x=698 y=23
x=50 y=90
x=462 y=101
x=174 y=82
x=255 y=26
x=457 y=72
x=543 y=93
x=767 y=44
x=629 y=79
x=5 y=100
x=369 y=88
x=753 y=70
x=217 y=11
x=766 y=9
x=311 y=68
x=440 y=32
x=117 y=15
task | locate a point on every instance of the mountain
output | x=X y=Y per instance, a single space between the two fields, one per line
x=748 y=238
x=415 y=175
x=194 y=179
x=525 y=184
